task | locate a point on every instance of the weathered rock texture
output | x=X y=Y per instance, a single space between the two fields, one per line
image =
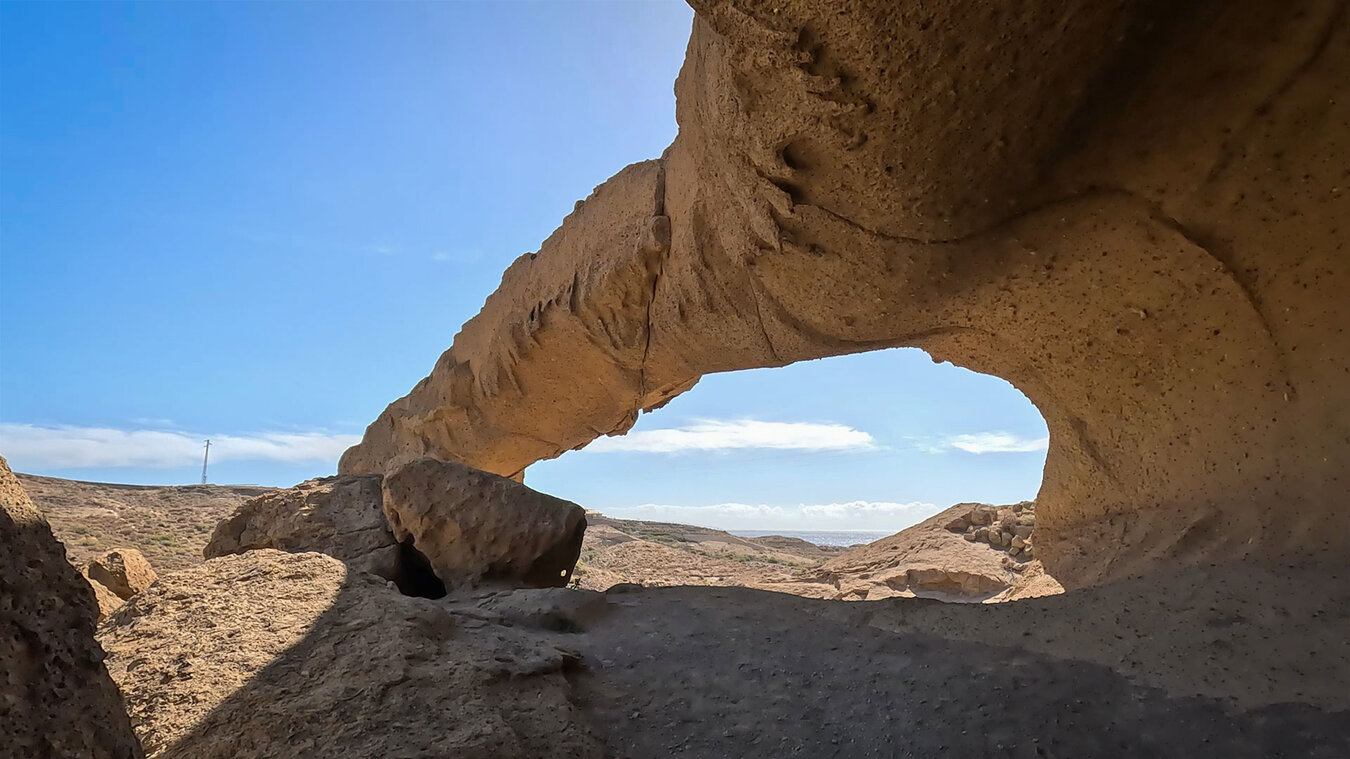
x=124 y=571
x=927 y=560
x=56 y=699
x=106 y=600
x=277 y=654
x=472 y=525
x=339 y=516
x=1134 y=211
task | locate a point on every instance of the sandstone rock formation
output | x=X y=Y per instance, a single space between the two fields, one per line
x=472 y=525
x=277 y=654
x=1132 y=211
x=124 y=571
x=56 y=699
x=340 y=516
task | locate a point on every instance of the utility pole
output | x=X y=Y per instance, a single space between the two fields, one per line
x=205 y=456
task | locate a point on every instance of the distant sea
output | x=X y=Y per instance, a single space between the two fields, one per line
x=820 y=537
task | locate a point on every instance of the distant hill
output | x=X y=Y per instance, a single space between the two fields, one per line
x=170 y=524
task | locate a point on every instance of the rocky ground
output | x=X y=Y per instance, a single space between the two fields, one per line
x=663 y=554
x=169 y=524
x=260 y=652
x=250 y=654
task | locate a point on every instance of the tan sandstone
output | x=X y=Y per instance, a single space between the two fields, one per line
x=340 y=516
x=474 y=526
x=124 y=571
x=277 y=654
x=1135 y=214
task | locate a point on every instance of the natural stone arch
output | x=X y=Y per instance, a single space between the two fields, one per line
x=1132 y=213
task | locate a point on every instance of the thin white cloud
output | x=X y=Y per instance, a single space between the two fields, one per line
x=853 y=515
x=722 y=435
x=997 y=442
x=466 y=256
x=31 y=447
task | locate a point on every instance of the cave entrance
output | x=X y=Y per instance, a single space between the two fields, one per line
x=837 y=451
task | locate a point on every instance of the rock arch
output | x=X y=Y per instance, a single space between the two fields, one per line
x=1134 y=213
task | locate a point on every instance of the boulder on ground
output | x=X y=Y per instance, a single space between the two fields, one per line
x=278 y=654
x=108 y=601
x=56 y=699
x=474 y=526
x=339 y=516
x=124 y=571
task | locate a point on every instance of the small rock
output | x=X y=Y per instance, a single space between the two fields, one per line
x=125 y=572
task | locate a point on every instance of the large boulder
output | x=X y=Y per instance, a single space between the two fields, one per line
x=475 y=526
x=278 y=654
x=56 y=699
x=340 y=516
x=124 y=571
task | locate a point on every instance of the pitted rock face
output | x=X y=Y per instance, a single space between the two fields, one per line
x=339 y=516
x=1132 y=211
x=56 y=699
x=474 y=526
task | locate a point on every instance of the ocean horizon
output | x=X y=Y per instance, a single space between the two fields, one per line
x=821 y=537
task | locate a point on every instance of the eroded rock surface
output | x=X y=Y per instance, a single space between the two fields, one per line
x=124 y=571
x=339 y=516
x=1132 y=211
x=473 y=526
x=106 y=600
x=56 y=699
x=277 y=654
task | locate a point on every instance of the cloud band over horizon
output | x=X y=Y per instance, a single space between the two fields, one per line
x=33 y=447
x=742 y=434
x=852 y=515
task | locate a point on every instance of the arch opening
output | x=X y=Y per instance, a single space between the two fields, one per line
x=781 y=478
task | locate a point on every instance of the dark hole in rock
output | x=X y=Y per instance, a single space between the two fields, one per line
x=413 y=575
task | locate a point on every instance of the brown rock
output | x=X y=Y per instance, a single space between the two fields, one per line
x=340 y=516
x=1117 y=225
x=278 y=654
x=473 y=526
x=56 y=699
x=124 y=571
x=108 y=601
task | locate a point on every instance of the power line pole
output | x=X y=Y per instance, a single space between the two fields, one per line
x=205 y=456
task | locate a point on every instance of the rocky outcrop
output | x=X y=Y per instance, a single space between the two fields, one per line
x=340 y=516
x=474 y=526
x=276 y=654
x=124 y=571
x=1136 y=220
x=56 y=699
x=931 y=559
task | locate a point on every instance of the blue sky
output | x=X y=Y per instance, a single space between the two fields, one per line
x=260 y=223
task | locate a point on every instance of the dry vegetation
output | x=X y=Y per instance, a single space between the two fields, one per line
x=169 y=524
